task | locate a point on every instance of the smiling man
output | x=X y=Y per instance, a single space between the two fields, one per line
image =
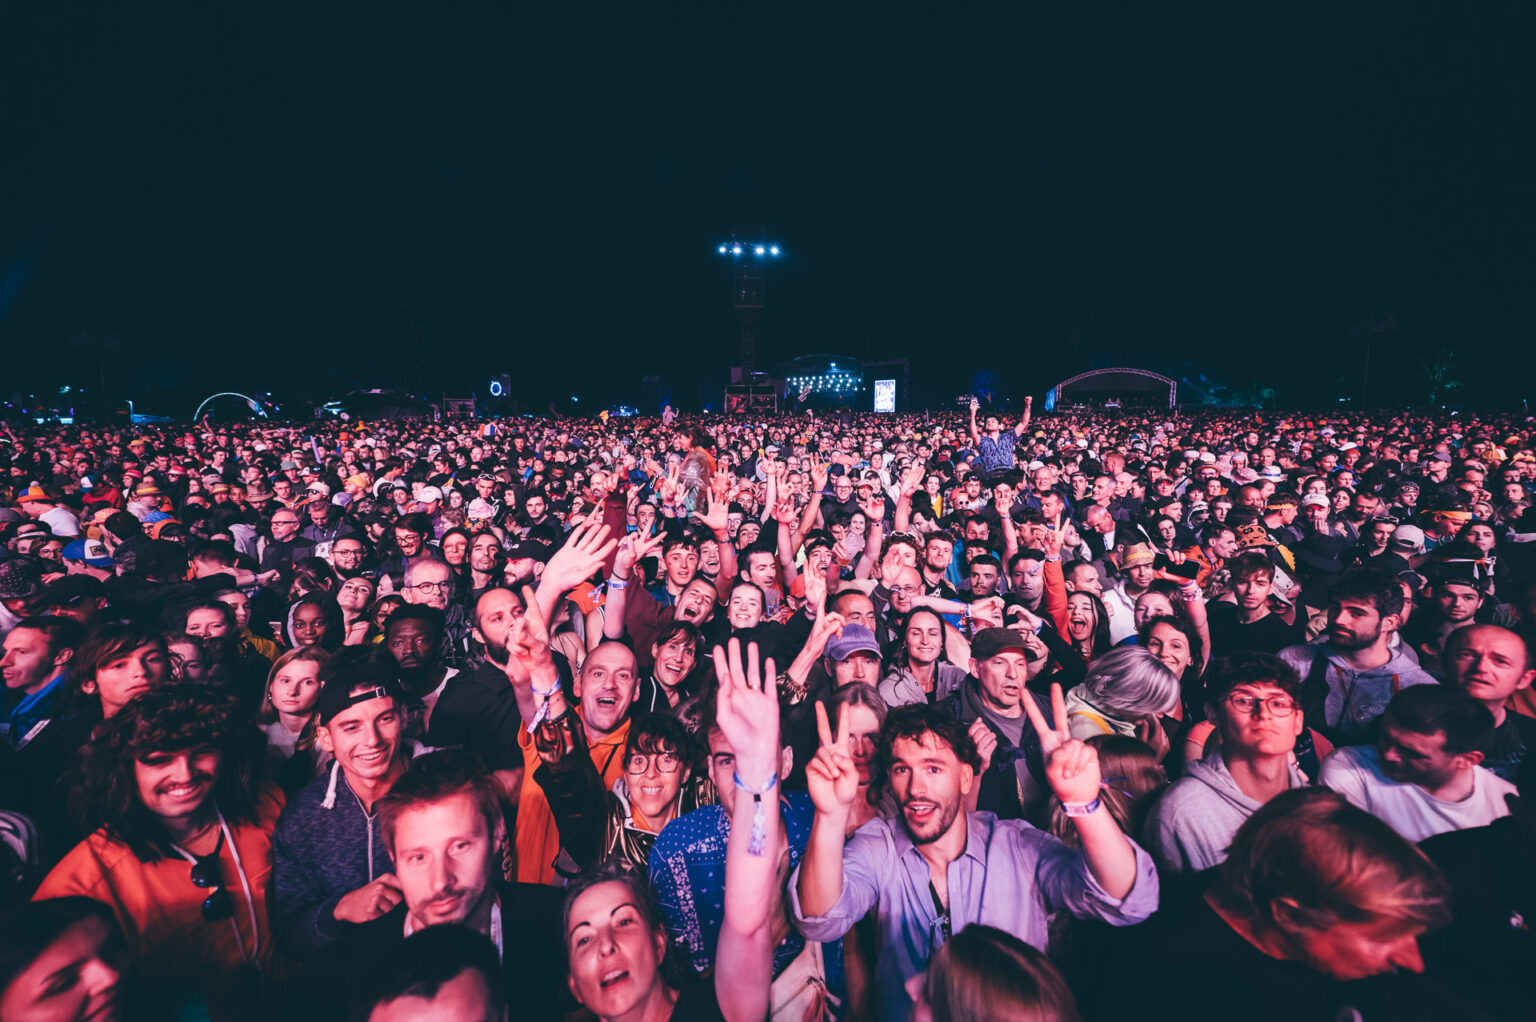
x=937 y=868
x=331 y=868
x=168 y=782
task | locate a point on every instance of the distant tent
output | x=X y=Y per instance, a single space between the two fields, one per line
x=1101 y=386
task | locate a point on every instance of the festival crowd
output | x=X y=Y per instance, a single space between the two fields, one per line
x=1092 y=715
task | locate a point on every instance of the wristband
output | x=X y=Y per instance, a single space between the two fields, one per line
x=758 y=838
x=965 y=612
x=616 y=583
x=1055 y=559
x=1081 y=808
x=543 y=694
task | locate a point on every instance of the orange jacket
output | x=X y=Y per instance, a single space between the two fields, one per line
x=160 y=910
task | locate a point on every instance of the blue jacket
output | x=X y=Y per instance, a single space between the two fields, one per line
x=325 y=846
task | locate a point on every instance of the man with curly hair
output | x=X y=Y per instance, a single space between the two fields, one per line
x=181 y=840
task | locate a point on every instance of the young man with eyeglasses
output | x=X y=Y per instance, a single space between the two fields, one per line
x=182 y=852
x=1254 y=699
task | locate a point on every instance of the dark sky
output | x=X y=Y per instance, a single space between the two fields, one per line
x=348 y=195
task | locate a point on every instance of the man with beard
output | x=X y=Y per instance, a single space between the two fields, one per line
x=443 y=830
x=451 y=707
x=1348 y=680
x=941 y=868
x=1424 y=775
x=938 y=554
x=349 y=558
x=330 y=866
x=410 y=547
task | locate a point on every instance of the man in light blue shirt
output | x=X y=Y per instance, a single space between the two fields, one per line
x=938 y=868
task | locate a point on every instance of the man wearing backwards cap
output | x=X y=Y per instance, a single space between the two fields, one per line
x=332 y=869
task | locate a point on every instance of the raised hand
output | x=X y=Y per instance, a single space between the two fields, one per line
x=1052 y=540
x=715 y=515
x=580 y=558
x=819 y=472
x=873 y=508
x=528 y=641
x=816 y=590
x=1071 y=765
x=913 y=480
x=988 y=612
x=785 y=514
x=747 y=708
x=670 y=485
x=370 y=901
x=633 y=549
x=831 y=776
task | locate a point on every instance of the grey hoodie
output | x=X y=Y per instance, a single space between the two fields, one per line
x=1356 y=698
x=1191 y=826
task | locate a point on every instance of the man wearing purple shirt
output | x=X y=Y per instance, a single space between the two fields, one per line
x=941 y=868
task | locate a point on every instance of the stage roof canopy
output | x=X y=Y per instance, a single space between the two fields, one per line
x=1100 y=383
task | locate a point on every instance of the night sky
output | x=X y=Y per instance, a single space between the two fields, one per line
x=342 y=196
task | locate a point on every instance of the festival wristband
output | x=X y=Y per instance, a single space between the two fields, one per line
x=616 y=583
x=758 y=838
x=543 y=695
x=1081 y=808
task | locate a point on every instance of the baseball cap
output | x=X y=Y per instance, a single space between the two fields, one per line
x=1407 y=539
x=855 y=638
x=1314 y=500
x=89 y=551
x=350 y=688
x=989 y=642
x=428 y=494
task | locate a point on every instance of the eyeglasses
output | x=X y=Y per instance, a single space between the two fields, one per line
x=205 y=874
x=1278 y=706
x=640 y=762
x=905 y=590
x=429 y=587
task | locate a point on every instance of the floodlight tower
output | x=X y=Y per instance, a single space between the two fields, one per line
x=749 y=255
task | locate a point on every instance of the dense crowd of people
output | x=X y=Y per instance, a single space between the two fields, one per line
x=870 y=717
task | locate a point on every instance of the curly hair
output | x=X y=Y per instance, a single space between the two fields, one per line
x=912 y=723
x=169 y=718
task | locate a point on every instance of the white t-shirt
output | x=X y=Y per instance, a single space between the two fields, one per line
x=1355 y=773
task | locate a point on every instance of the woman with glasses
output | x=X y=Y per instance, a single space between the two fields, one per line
x=1254 y=703
x=658 y=785
x=181 y=845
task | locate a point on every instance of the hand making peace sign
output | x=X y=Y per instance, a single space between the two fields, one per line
x=1071 y=765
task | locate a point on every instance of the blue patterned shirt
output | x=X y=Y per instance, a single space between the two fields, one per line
x=688 y=877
